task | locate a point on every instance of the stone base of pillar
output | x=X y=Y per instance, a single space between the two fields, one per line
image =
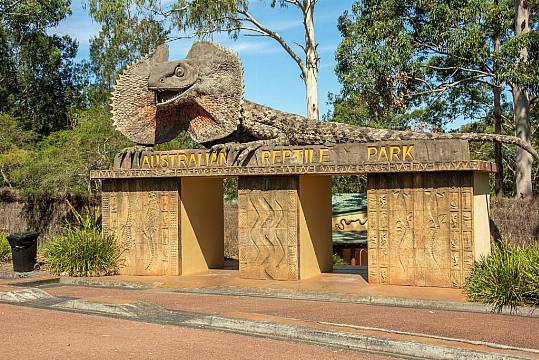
x=284 y=227
x=167 y=226
x=426 y=229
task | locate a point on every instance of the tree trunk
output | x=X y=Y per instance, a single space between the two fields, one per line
x=498 y=179
x=497 y=93
x=310 y=72
x=523 y=162
x=521 y=110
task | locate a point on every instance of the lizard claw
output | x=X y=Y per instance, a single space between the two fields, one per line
x=247 y=150
x=226 y=148
x=132 y=154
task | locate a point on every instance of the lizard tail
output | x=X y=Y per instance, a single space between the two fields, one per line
x=506 y=139
x=345 y=132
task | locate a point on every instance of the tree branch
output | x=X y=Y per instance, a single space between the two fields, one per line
x=442 y=88
x=6 y=180
x=276 y=37
x=457 y=68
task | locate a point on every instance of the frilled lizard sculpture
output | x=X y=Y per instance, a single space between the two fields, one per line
x=156 y=99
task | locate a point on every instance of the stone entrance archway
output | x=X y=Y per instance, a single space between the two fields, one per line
x=427 y=210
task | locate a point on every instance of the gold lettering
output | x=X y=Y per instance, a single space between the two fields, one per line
x=154 y=159
x=407 y=151
x=286 y=153
x=213 y=158
x=371 y=151
x=172 y=159
x=199 y=157
x=164 y=161
x=193 y=160
x=145 y=160
x=382 y=152
x=275 y=154
x=223 y=159
x=182 y=159
x=324 y=153
x=266 y=156
x=299 y=155
x=394 y=152
x=306 y=152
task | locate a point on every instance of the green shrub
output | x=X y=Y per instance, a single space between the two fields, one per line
x=81 y=249
x=509 y=276
x=337 y=260
x=5 y=249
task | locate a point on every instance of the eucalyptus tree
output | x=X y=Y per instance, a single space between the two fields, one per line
x=37 y=69
x=434 y=61
x=202 y=18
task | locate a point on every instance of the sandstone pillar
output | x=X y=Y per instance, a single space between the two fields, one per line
x=426 y=229
x=166 y=226
x=284 y=227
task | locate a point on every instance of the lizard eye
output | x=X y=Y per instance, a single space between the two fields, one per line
x=179 y=72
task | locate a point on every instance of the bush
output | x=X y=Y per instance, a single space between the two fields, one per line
x=509 y=276
x=337 y=260
x=81 y=249
x=5 y=249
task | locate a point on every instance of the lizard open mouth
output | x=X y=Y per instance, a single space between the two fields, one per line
x=166 y=97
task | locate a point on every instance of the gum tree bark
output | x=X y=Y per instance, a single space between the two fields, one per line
x=310 y=72
x=497 y=93
x=521 y=110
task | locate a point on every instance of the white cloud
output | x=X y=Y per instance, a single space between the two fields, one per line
x=250 y=47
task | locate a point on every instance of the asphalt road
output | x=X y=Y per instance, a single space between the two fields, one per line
x=29 y=333
x=502 y=329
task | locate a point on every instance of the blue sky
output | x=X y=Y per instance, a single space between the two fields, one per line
x=271 y=76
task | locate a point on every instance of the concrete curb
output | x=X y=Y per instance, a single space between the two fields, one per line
x=80 y=281
x=12 y=275
x=347 y=340
x=132 y=310
x=368 y=300
x=310 y=296
x=25 y=295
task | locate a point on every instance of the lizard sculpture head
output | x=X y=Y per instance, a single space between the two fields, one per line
x=155 y=99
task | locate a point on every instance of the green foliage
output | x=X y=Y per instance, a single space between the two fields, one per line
x=125 y=35
x=348 y=184
x=412 y=63
x=81 y=249
x=485 y=150
x=508 y=277
x=337 y=260
x=60 y=164
x=37 y=73
x=5 y=249
x=230 y=189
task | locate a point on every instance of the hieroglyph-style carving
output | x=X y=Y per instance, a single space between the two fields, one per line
x=143 y=215
x=420 y=228
x=268 y=228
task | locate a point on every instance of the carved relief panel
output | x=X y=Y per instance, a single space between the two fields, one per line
x=268 y=227
x=420 y=228
x=143 y=215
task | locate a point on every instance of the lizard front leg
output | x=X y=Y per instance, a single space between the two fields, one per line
x=132 y=154
x=244 y=150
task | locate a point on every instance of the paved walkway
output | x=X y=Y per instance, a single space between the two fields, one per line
x=330 y=283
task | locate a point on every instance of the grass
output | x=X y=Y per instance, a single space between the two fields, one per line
x=508 y=277
x=5 y=249
x=81 y=249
